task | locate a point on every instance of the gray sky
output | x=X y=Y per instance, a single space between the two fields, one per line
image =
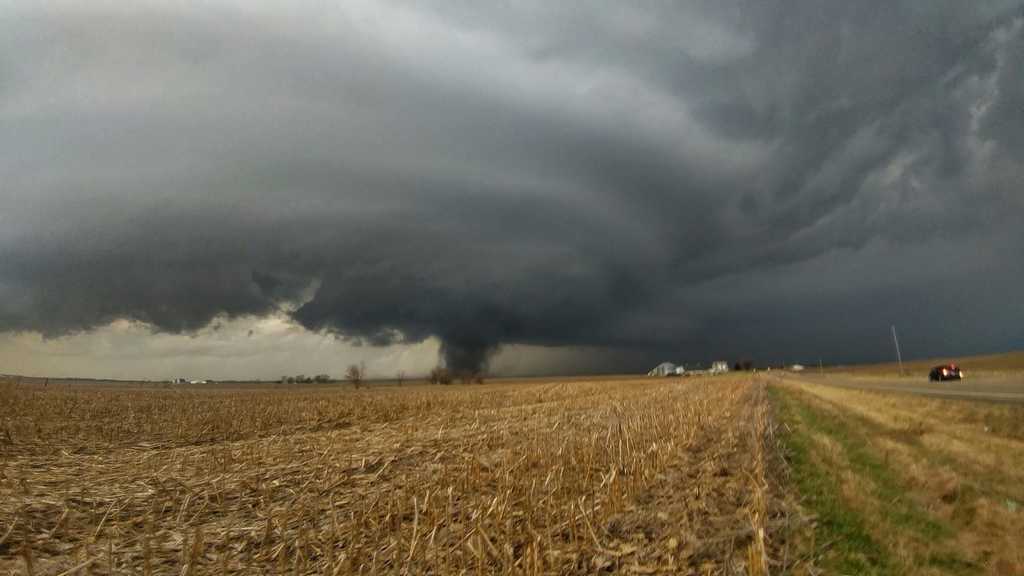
x=245 y=189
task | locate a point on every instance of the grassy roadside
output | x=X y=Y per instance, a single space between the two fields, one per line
x=868 y=521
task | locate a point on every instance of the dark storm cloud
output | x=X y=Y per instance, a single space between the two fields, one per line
x=758 y=178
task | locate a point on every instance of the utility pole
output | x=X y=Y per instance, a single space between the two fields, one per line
x=899 y=357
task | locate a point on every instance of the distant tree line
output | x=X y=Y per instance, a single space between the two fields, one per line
x=303 y=379
x=442 y=375
x=356 y=375
x=743 y=366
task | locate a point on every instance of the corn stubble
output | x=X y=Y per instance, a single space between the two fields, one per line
x=644 y=476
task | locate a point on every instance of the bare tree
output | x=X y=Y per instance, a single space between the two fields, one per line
x=744 y=365
x=355 y=374
x=440 y=375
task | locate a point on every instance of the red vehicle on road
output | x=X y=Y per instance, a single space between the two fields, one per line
x=946 y=372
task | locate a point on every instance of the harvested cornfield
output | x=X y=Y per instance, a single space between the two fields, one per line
x=543 y=477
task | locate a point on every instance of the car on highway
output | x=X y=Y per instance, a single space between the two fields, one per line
x=946 y=372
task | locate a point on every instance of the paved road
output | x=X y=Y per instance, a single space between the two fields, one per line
x=1001 y=388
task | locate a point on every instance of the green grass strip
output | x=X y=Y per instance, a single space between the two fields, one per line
x=854 y=550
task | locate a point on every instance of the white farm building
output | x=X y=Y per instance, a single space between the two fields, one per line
x=663 y=369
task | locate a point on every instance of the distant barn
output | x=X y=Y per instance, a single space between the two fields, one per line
x=663 y=369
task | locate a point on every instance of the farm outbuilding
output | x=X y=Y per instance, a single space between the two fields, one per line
x=663 y=369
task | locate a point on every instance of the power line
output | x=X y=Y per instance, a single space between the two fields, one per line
x=899 y=357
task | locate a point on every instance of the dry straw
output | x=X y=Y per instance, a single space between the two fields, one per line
x=633 y=476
